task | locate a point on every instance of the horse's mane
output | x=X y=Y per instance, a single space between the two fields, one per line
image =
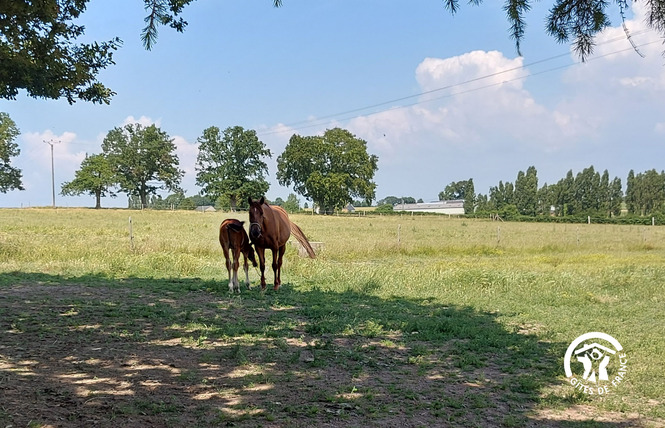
x=300 y=236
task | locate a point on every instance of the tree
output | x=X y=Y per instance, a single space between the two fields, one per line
x=586 y=192
x=565 y=195
x=469 y=197
x=631 y=193
x=231 y=165
x=455 y=190
x=38 y=52
x=546 y=198
x=390 y=200
x=292 y=204
x=615 y=197
x=10 y=177
x=501 y=195
x=329 y=169
x=143 y=160
x=526 y=192
x=645 y=194
x=579 y=21
x=95 y=177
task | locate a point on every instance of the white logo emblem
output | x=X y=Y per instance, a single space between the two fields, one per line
x=596 y=359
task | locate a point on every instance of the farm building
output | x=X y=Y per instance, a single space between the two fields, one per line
x=206 y=208
x=454 y=207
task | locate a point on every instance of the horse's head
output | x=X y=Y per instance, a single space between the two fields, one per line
x=255 y=218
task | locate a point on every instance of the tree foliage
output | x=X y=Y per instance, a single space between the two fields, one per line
x=10 y=177
x=461 y=190
x=39 y=52
x=454 y=191
x=394 y=200
x=587 y=193
x=230 y=165
x=143 y=160
x=162 y=12
x=330 y=169
x=292 y=204
x=574 y=21
x=95 y=177
x=526 y=192
x=645 y=193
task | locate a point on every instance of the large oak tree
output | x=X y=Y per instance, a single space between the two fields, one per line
x=230 y=165
x=143 y=160
x=330 y=169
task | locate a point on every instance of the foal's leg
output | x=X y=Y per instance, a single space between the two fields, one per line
x=246 y=268
x=228 y=267
x=236 y=265
x=262 y=265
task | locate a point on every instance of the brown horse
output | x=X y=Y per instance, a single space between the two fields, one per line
x=270 y=227
x=232 y=236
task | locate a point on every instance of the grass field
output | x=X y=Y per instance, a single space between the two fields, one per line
x=400 y=321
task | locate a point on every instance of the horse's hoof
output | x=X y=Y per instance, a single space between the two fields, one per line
x=276 y=287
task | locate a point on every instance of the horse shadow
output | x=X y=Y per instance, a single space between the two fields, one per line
x=91 y=350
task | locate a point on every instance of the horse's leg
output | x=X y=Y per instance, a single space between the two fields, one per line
x=262 y=265
x=277 y=265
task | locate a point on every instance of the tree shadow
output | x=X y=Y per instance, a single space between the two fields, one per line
x=93 y=351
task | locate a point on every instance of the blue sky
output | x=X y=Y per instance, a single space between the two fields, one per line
x=452 y=98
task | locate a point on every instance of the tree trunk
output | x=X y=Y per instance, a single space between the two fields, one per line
x=232 y=201
x=98 y=197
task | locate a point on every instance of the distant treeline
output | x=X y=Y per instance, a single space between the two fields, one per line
x=574 y=198
x=589 y=193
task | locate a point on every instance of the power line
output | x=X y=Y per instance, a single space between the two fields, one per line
x=323 y=119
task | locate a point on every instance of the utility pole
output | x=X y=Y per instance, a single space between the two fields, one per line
x=51 y=143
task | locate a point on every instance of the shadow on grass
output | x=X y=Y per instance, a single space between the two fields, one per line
x=93 y=351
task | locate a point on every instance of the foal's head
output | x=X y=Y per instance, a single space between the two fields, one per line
x=255 y=217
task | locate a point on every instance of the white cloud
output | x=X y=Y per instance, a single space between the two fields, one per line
x=476 y=101
x=470 y=71
x=478 y=114
x=143 y=120
x=35 y=160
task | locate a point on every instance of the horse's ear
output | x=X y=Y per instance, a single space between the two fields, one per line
x=249 y=199
x=262 y=200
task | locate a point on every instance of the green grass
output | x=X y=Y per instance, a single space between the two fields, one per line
x=461 y=322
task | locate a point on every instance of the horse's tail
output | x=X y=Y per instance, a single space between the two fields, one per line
x=300 y=236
